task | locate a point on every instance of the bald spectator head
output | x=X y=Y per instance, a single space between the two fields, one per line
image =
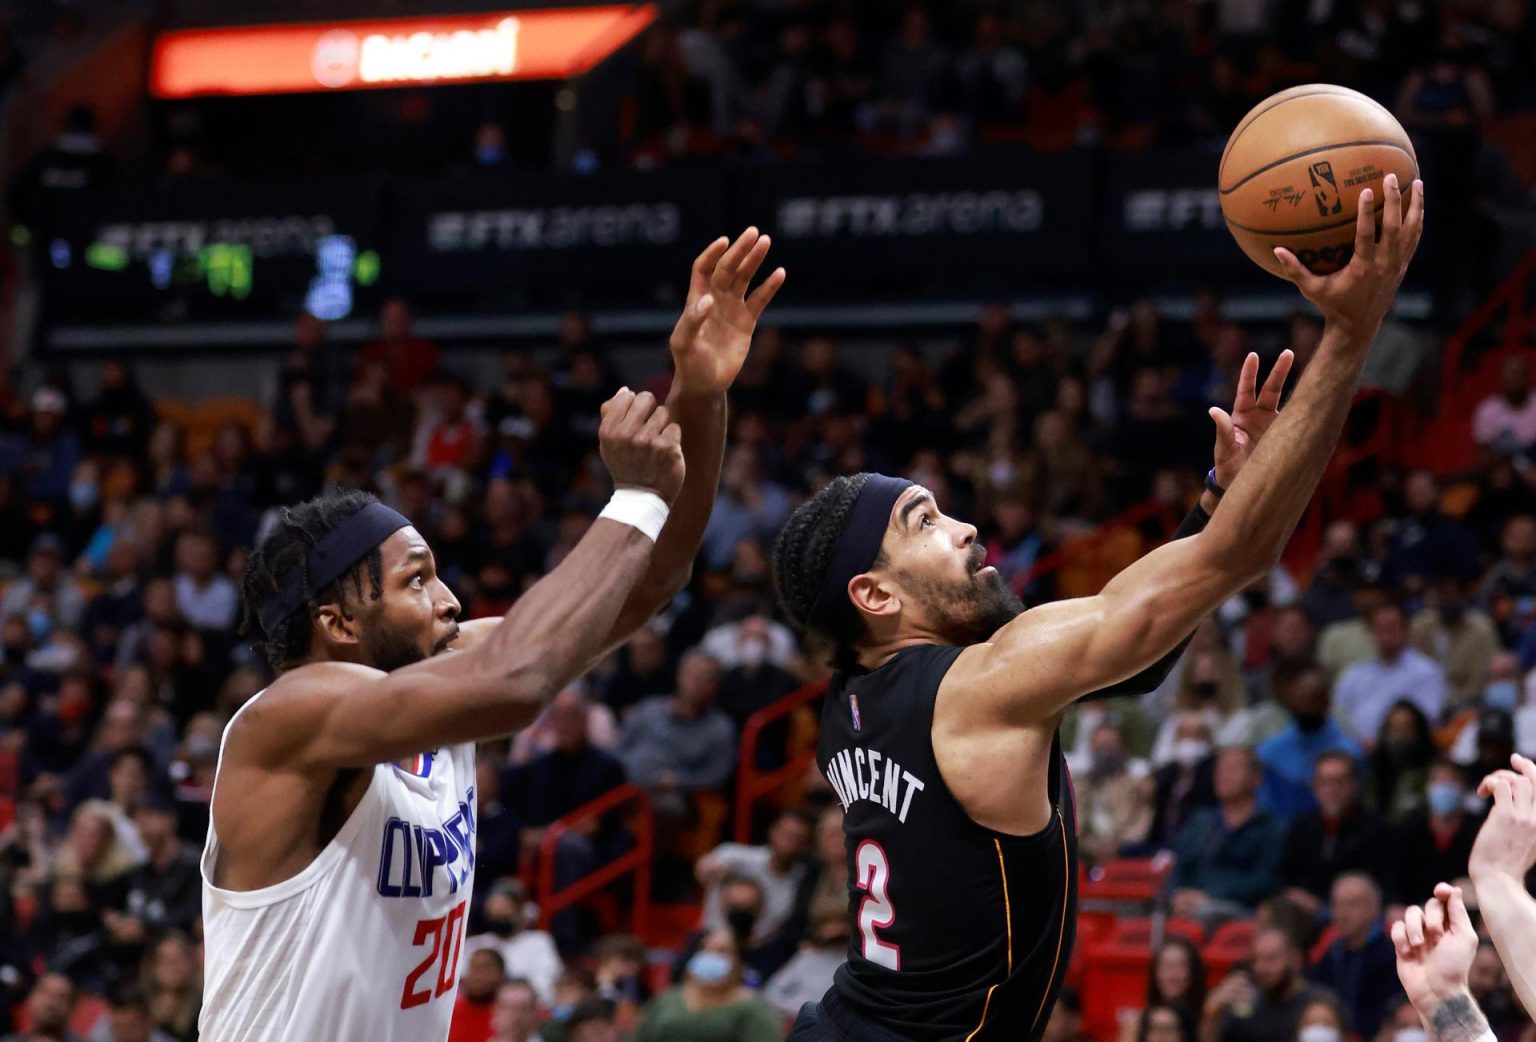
x=1355 y=905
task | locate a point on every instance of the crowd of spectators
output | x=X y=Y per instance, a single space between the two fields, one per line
x=1318 y=722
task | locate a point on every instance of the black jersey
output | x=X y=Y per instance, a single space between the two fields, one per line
x=959 y=933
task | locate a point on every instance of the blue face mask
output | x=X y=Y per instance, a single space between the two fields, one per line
x=709 y=967
x=40 y=623
x=561 y=1013
x=1444 y=798
x=1501 y=694
x=83 y=494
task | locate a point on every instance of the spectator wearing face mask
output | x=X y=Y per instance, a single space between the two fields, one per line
x=1184 y=785
x=1399 y=766
x=1290 y=758
x=1212 y=686
x=1434 y=844
x=526 y=952
x=1361 y=965
x=1339 y=836
x=620 y=973
x=1114 y=798
x=1402 y=1025
x=741 y=905
x=808 y=974
x=1321 y=1021
x=778 y=867
x=1463 y=737
x=711 y=1004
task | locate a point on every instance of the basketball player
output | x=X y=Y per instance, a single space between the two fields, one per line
x=939 y=733
x=339 y=858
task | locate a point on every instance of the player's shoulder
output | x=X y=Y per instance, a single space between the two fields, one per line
x=295 y=695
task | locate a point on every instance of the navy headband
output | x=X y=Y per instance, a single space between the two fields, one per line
x=856 y=549
x=329 y=559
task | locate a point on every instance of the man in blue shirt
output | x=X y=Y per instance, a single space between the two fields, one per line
x=1290 y=757
x=1361 y=966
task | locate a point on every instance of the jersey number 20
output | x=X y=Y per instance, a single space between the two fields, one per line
x=446 y=935
x=875 y=911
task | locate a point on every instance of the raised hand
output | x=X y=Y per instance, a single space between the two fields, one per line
x=1252 y=413
x=1357 y=297
x=1435 y=946
x=1506 y=844
x=641 y=446
x=710 y=341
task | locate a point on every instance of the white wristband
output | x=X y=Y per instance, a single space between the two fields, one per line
x=638 y=508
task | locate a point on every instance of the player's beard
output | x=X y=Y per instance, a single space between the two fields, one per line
x=971 y=610
x=390 y=649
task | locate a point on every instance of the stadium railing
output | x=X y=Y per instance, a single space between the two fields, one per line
x=753 y=785
x=636 y=861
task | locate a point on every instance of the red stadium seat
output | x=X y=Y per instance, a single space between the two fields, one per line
x=1115 y=972
x=1229 y=945
x=1323 y=944
x=670 y=926
x=1130 y=879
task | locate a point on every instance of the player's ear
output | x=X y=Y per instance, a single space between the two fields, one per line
x=336 y=624
x=873 y=596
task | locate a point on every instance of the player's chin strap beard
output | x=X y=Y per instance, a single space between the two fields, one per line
x=329 y=559
x=856 y=549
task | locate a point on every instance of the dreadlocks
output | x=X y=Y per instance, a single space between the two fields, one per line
x=803 y=554
x=286 y=551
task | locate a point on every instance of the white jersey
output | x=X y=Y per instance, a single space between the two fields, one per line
x=364 y=943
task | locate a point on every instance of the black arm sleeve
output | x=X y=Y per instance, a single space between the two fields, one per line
x=1149 y=678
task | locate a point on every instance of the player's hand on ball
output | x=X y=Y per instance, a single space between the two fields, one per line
x=1359 y=296
x=1435 y=946
x=641 y=446
x=1252 y=413
x=710 y=341
x=1506 y=844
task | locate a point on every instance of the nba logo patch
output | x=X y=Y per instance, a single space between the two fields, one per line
x=853 y=704
x=418 y=766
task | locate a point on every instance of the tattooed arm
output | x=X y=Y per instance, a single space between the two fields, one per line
x=1435 y=946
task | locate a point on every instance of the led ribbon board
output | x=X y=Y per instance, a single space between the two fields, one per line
x=396 y=52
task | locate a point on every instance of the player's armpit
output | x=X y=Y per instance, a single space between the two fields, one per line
x=1049 y=656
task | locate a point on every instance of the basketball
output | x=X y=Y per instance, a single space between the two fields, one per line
x=1293 y=169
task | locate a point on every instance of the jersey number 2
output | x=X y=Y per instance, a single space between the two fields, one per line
x=447 y=938
x=875 y=911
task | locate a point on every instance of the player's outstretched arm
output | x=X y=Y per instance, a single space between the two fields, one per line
x=1502 y=856
x=1435 y=947
x=332 y=715
x=1049 y=656
x=709 y=346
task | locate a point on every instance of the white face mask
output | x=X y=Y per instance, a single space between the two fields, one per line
x=1410 y=1035
x=1318 y=1033
x=1190 y=751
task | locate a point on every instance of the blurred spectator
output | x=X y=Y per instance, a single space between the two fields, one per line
x=1066 y=1020
x=476 y=1001
x=1457 y=636
x=1506 y=422
x=1424 y=542
x=526 y=952
x=1488 y=982
x=1338 y=836
x=749 y=505
x=1211 y=685
x=48 y=1009
x=1177 y=982
x=711 y=1004
x=516 y=1016
x=640 y=673
x=1509 y=586
x=1114 y=798
x=592 y=1021
x=620 y=972
x=406 y=358
x=48 y=596
x=579 y=724
x=1185 y=784
x=808 y=974
x=1290 y=758
x=129 y=1019
x=173 y=984
x=1368 y=689
x=448 y=441
x=165 y=892
x=1361 y=965
x=1496 y=702
x=1228 y=855
x=1264 y=1003
x=682 y=743
x=1321 y=1021
x=779 y=868
x=1434 y=844
x=1162 y=1024
x=1331 y=597
x=1399 y=765
x=205 y=597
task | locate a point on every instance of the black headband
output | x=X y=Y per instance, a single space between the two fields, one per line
x=344 y=546
x=856 y=549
